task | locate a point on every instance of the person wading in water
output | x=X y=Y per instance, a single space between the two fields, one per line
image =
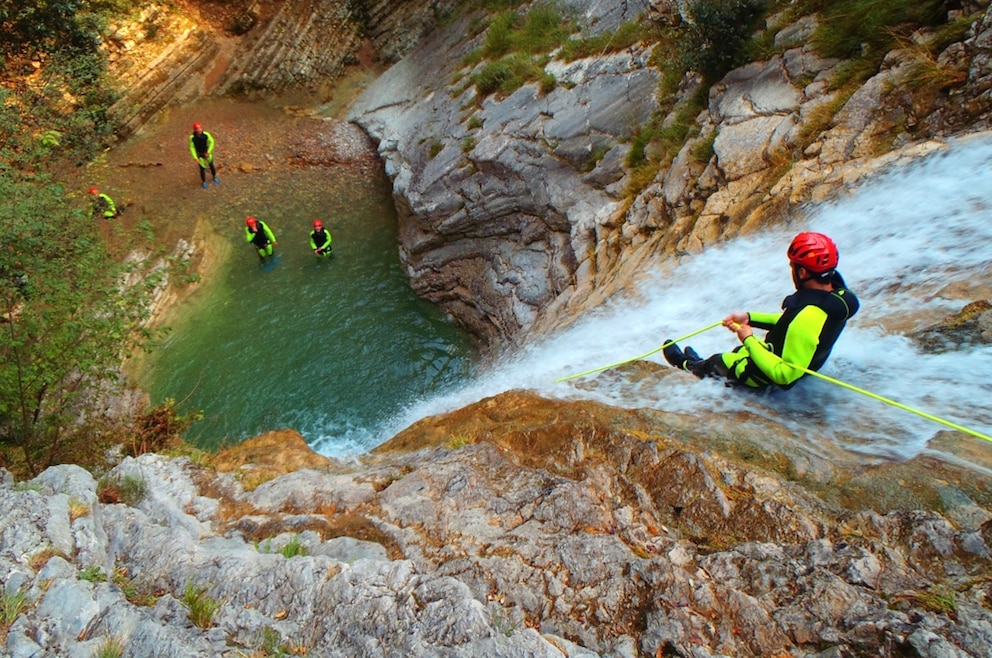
x=260 y=236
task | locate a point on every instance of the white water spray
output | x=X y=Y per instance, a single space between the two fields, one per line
x=913 y=242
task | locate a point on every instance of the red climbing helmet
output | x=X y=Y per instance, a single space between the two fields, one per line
x=251 y=222
x=317 y=224
x=94 y=191
x=814 y=251
x=197 y=126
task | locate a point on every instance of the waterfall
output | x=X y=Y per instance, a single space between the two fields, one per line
x=915 y=245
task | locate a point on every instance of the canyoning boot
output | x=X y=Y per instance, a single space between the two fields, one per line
x=674 y=355
x=682 y=359
x=216 y=181
x=206 y=184
x=691 y=358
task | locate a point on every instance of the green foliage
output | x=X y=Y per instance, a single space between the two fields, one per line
x=516 y=49
x=435 y=147
x=940 y=600
x=131 y=591
x=62 y=111
x=459 y=441
x=624 y=37
x=69 y=322
x=68 y=319
x=293 y=548
x=93 y=574
x=201 y=606
x=127 y=489
x=111 y=647
x=11 y=606
x=271 y=644
x=715 y=42
x=507 y=74
x=31 y=27
x=868 y=28
x=703 y=149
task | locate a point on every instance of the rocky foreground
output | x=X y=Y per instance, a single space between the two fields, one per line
x=514 y=527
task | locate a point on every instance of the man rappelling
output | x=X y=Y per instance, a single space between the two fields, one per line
x=802 y=334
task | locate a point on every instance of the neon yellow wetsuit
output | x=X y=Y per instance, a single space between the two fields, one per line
x=320 y=242
x=104 y=206
x=262 y=237
x=803 y=334
x=201 y=147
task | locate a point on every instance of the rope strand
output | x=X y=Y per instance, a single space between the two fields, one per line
x=646 y=354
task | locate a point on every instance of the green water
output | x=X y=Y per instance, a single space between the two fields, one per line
x=332 y=348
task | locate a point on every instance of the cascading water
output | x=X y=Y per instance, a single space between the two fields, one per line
x=915 y=245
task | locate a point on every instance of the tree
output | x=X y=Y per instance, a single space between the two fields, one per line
x=69 y=312
x=712 y=42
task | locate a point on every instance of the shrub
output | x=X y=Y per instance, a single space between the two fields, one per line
x=612 y=41
x=69 y=319
x=293 y=548
x=127 y=489
x=11 y=607
x=93 y=574
x=111 y=647
x=516 y=49
x=714 y=43
x=132 y=592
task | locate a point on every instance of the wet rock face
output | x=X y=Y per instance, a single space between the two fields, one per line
x=171 y=56
x=541 y=529
x=489 y=187
x=972 y=325
x=499 y=197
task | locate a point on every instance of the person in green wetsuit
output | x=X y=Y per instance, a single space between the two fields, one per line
x=201 y=147
x=261 y=236
x=320 y=239
x=103 y=205
x=802 y=334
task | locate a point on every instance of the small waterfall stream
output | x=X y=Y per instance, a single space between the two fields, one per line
x=915 y=245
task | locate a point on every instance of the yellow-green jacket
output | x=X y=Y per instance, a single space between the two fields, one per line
x=803 y=334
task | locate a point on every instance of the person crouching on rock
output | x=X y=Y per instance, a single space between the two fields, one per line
x=320 y=239
x=103 y=205
x=260 y=235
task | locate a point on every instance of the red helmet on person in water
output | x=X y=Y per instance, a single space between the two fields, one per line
x=197 y=126
x=251 y=221
x=317 y=224
x=814 y=251
x=94 y=191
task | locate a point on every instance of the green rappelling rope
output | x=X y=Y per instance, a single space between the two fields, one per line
x=646 y=354
x=850 y=387
x=899 y=405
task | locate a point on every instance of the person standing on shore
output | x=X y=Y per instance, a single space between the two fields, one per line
x=201 y=147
